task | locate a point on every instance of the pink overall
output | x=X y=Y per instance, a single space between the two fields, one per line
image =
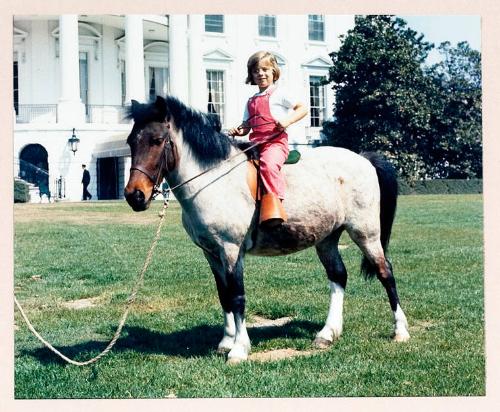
x=273 y=153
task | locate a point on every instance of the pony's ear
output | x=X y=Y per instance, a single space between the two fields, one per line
x=161 y=106
x=134 y=109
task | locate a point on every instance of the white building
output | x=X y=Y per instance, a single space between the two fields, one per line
x=80 y=71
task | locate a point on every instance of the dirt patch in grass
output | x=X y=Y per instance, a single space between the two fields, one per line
x=261 y=322
x=277 y=354
x=80 y=303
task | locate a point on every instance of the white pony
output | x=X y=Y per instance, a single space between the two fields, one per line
x=330 y=190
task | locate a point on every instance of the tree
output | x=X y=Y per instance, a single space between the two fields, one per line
x=455 y=149
x=387 y=100
x=380 y=85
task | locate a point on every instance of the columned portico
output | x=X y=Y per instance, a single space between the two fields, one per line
x=178 y=61
x=134 y=59
x=197 y=79
x=70 y=108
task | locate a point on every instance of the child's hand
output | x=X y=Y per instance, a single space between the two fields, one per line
x=241 y=130
x=299 y=111
x=282 y=124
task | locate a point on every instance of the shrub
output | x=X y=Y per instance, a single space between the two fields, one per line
x=21 y=191
x=441 y=186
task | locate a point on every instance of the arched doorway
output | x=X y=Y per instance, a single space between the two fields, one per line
x=34 y=166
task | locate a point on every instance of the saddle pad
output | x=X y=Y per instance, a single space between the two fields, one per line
x=293 y=157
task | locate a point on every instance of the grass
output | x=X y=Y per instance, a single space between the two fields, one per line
x=66 y=252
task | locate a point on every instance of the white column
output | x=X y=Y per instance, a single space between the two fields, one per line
x=178 y=57
x=70 y=108
x=197 y=77
x=134 y=59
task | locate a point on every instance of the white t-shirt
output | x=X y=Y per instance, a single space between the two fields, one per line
x=280 y=103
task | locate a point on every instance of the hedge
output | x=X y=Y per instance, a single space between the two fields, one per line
x=21 y=191
x=441 y=186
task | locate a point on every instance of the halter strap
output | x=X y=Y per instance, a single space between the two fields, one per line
x=157 y=178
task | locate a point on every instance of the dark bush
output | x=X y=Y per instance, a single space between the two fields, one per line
x=441 y=186
x=21 y=191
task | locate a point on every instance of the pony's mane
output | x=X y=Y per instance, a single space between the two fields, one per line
x=201 y=131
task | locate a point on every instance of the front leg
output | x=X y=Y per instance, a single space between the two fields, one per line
x=242 y=347
x=228 y=273
x=233 y=263
x=227 y=342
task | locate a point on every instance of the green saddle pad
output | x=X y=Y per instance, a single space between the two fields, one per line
x=293 y=157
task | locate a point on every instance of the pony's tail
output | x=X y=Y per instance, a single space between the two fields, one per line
x=388 y=184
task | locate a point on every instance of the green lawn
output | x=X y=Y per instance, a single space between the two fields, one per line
x=93 y=251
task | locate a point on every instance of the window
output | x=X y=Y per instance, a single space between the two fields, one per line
x=267 y=26
x=317 y=100
x=215 y=85
x=16 y=88
x=84 y=80
x=214 y=23
x=157 y=82
x=316 y=27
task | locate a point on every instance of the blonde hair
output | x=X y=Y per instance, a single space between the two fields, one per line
x=255 y=59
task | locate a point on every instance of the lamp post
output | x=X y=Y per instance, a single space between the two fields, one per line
x=73 y=142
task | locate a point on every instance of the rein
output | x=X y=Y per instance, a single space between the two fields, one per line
x=159 y=178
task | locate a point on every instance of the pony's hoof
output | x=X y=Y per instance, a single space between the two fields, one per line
x=321 y=343
x=401 y=337
x=226 y=345
x=238 y=354
x=234 y=361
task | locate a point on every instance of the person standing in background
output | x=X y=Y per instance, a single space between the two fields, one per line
x=85 y=182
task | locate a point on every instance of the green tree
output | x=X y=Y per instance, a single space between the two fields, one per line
x=455 y=143
x=381 y=90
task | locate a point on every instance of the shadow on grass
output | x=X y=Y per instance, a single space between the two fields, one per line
x=198 y=341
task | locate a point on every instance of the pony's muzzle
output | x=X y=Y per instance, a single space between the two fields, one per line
x=136 y=199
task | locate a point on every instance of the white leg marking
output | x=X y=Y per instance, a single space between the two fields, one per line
x=241 y=348
x=400 y=326
x=333 y=325
x=227 y=342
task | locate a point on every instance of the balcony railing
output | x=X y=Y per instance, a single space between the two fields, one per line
x=36 y=113
x=47 y=113
x=100 y=113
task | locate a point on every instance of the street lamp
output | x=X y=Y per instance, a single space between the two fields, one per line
x=73 y=142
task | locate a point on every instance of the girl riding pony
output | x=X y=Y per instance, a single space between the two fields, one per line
x=268 y=113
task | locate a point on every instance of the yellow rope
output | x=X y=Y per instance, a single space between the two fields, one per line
x=130 y=302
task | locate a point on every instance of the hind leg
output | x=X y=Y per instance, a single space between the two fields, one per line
x=373 y=251
x=329 y=256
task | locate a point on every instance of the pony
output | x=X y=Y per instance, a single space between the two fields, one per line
x=331 y=190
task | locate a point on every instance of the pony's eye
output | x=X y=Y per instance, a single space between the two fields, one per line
x=157 y=140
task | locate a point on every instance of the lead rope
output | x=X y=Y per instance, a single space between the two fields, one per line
x=130 y=302
x=133 y=295
x=268 y=139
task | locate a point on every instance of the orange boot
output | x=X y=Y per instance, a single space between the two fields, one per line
x=271 y=211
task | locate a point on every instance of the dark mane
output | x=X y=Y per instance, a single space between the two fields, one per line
x=201 y=131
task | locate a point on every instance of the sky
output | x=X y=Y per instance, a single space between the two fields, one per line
x=437 y=29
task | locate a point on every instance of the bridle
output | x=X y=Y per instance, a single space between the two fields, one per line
x=157 y=177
